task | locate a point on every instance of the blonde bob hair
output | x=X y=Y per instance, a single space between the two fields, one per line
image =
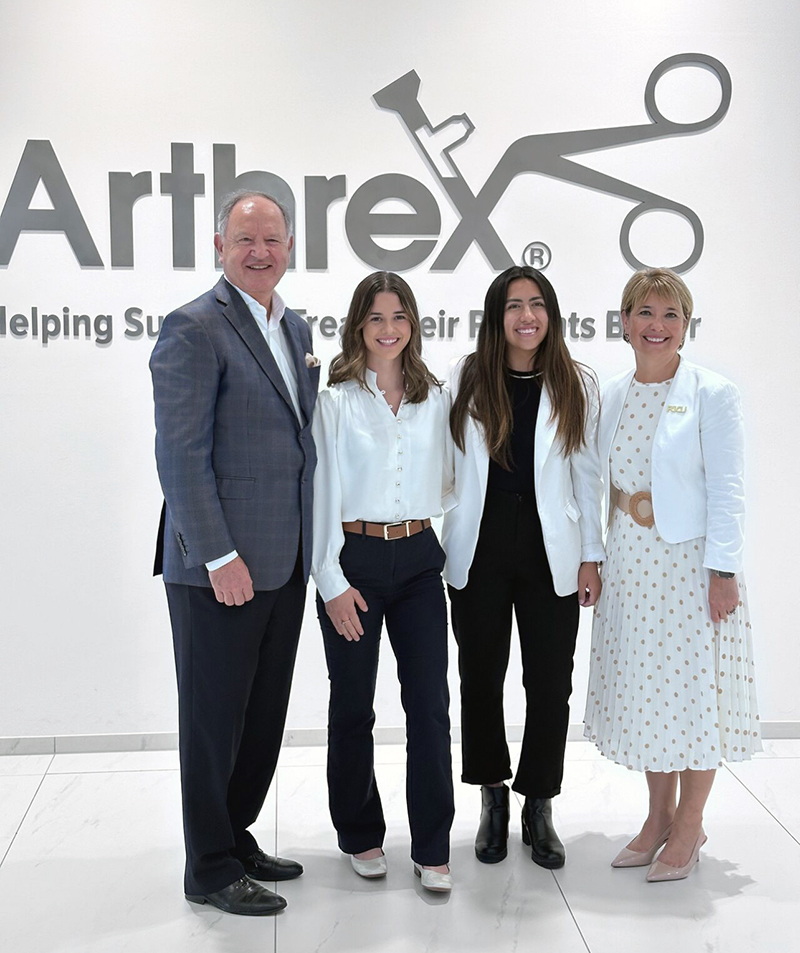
x=663 y=283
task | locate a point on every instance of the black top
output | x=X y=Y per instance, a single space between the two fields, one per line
x=525 y=392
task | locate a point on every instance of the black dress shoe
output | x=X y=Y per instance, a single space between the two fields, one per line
x=540 y=835
x=261 y=866
x=244 y=897
x=491 y=842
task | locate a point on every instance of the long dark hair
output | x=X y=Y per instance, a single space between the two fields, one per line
x=483 y=391
x=351 y=362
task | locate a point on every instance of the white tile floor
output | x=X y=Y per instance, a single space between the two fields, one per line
x=91 y=861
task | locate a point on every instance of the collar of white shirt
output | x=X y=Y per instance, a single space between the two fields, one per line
x=372 y=382
x=258 y=310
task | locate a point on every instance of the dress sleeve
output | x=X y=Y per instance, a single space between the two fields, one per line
x=328 y=532
x=587 y=479
x=722 y=445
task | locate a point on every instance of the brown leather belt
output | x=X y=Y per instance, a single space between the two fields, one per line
x=387 y=530
x=639 y=506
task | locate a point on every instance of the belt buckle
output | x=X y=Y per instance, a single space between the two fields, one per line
x=643 y=520
x=387 y=526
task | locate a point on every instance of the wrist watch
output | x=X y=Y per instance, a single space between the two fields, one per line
x=722 y=575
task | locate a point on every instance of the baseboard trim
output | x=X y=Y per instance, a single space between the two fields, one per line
x=311 y=737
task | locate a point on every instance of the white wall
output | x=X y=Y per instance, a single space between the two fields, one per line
x=86 y=639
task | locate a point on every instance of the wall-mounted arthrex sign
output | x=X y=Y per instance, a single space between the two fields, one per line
x=546 y=154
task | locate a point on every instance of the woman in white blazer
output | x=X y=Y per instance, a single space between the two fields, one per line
x=671 y=688
x=525 y=537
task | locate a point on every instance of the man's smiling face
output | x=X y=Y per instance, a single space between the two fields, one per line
x=255 y=248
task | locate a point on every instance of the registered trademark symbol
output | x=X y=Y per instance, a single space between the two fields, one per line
x=537 y=255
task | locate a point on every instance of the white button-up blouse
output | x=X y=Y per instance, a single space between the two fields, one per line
x=375 y=466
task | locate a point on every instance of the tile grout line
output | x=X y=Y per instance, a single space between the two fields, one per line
x=563 y=895
x=574 y=920
x=27 y=810
x=759 y=801
x=76 y=773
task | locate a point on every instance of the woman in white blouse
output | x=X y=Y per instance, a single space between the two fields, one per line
x=385 y=468
x=671 y=689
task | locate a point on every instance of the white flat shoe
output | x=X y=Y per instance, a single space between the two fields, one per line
x=370 y=869
x=431 y=880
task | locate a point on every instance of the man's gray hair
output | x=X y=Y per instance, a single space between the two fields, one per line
x=232 y=199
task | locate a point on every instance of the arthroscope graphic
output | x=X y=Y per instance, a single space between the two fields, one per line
x=547 y=154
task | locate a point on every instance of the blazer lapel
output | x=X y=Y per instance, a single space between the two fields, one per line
x=542 y=444
x=544 y=438
x=237 y=312
x=299 y=356
x=480 y=454
x=679 y=395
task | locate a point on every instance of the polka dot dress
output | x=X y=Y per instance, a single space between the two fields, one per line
x=667 y=689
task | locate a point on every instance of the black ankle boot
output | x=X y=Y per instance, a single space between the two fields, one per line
x=540 y=835
x=491 y=842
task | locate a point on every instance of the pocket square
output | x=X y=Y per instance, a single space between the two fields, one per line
x=312 y=360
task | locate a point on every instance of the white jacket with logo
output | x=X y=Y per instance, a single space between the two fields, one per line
x=697 y=461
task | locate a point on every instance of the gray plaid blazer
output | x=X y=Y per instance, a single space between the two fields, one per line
x=235 y=464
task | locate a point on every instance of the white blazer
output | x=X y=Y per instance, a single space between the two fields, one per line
x=568 y=496
x=697 y=461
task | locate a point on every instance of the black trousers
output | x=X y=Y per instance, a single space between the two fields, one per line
x=401 y=582
x=510 y=571
x=234 y=666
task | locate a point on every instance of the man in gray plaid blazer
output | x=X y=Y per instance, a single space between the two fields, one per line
x=235 y=383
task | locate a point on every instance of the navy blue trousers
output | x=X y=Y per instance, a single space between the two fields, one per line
x=234 y=666
x=401 y=583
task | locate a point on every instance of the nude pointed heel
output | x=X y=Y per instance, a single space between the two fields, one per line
x=640 y=858
x=659 y=872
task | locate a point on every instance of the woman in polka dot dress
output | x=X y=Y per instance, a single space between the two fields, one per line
x=671 y=688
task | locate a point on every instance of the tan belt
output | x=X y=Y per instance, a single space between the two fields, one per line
x=639 y=506
x=387 y=530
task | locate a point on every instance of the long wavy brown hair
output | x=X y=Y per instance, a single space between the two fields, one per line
x=350 y=364
x=483 y=391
